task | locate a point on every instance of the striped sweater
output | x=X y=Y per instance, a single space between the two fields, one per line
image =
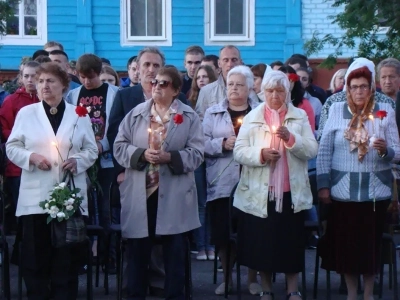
x=340 y=170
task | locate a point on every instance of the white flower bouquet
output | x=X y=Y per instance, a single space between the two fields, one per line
x=63 y=202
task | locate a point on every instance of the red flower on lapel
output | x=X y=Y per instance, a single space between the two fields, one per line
x=178 y=119
x=381 y=114
x=81 y=111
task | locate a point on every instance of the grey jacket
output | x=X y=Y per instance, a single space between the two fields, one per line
x=217 y=125
x=177 y=194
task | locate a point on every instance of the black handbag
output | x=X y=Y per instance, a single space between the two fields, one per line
x=71 y=231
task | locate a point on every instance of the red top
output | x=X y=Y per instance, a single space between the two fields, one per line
x=8 y=113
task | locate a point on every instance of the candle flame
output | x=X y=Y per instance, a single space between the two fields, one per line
x=240 y=121
x=149 y=130
x=273 y=129
x=371 y=117
x=54 y=144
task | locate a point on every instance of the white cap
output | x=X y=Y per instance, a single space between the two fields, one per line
x=357 y=64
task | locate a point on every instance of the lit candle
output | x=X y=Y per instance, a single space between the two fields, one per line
x=58 y=150
x=273 y=137
x=238 y=125
x=372 y=139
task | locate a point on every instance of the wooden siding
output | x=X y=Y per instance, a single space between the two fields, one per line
x=271 y=32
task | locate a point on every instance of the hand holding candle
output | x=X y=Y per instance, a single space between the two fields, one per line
x=155 y=138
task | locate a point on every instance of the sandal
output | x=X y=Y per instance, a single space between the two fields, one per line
x=267 y=294
x=293 y=294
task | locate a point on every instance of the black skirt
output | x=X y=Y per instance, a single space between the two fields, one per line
x=272 y=244
x=220 y=220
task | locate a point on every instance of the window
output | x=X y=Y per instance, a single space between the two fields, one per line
x=229 y=21
x=28 y=26
x=146 y=22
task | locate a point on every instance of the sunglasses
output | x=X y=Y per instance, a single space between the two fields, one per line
x=162 y=83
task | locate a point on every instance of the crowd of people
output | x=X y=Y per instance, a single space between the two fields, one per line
x=178 y=145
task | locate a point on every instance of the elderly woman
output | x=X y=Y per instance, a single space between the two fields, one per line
x=273 y=146
x=160 y=143
x=357 y=147
x=221 y=125
x=30 y=147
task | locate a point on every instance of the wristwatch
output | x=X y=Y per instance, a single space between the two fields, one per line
x=383 y=155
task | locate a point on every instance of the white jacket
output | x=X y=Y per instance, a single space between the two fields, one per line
x=251 y=195
x=32 y=133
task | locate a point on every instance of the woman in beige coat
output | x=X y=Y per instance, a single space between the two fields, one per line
x=274 y=145
x=160 y=143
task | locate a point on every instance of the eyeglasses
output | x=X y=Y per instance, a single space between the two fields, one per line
x=362 y=87
x=162 y=83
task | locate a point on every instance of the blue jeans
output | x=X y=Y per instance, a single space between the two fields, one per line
x=202 y=234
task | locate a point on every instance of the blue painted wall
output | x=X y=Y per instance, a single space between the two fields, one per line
x=86 y=29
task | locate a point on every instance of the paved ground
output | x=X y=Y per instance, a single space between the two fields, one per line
x=203 y=288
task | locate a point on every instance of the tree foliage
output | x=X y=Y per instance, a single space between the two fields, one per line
x=373 y=26
x=7 y=10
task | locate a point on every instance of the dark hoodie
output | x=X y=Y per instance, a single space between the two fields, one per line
x=8 y=113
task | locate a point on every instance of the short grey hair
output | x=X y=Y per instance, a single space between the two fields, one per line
x=246 y=72
x=154 y=50
x=274 y=79
x=389 y=62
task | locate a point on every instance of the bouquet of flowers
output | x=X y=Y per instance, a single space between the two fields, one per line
x=63 y=202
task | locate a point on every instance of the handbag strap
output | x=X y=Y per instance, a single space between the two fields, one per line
x=70 y=177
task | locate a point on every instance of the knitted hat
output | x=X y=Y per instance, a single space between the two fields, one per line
x=359 y=63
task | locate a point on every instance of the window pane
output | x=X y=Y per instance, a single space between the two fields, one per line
x=229 y=15
x=30 y=7
x=138 y=18
x=30 y=25
x=13 y=26
x=146 y=18
x=154 y=17
x=237 y=16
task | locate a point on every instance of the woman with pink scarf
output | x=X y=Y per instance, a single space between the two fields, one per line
x=274 y=145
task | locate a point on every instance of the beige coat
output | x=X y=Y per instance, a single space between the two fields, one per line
x=177 y=195
x=252 y=192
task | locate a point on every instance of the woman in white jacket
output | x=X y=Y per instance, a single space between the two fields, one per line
x=274 y=144
x=38 y=127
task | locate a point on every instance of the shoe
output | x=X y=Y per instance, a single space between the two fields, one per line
x=211 y=255
x=201 y=255
x=255 y=288
x=293 y=294
x=267 y=294
x=219 y=269
x=313 y=242
x=220 y=290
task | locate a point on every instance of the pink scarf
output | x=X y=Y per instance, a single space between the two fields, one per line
x=277 y=169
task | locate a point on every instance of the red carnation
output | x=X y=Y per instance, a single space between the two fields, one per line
x=178 y=119
x=293 y=77
x=381 y=114
x=81 y=111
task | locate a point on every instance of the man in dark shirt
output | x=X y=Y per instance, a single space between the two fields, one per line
x=193 y=57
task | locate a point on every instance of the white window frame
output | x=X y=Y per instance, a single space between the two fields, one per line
x=164 y=40
x=241 y=40
x=40 y=39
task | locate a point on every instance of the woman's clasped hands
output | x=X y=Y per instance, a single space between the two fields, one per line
x=157 y=157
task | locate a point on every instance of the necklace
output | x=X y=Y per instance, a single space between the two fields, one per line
x=53 y=110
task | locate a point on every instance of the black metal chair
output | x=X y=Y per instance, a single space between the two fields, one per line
x=115 y=230
x=388 y=238
x=232 y=241
x=94 y=230
x=5 y=260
